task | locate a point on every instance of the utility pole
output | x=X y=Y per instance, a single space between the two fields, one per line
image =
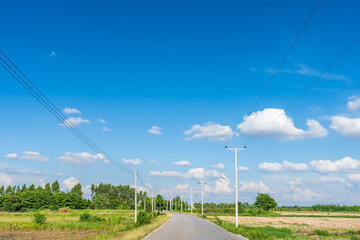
x=181 y=200
x=167 y=201
x=170 y=202
x=202 y=196
x=191 y=206
x=152 y=200
x=135 y=198
x=145 y=201
x=236 y=182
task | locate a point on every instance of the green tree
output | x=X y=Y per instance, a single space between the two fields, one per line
x=265 y=202
x=55 y=187
x=47 y=187
x=77 y=190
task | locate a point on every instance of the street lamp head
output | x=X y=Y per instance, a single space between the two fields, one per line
x=244 y=147
x=225 y=147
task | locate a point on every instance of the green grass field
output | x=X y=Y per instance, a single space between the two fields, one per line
x=94 y=224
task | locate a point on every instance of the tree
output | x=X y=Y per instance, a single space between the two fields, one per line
x=48 y=187
x=77 y=190
x=265 y=202
x=55 y=187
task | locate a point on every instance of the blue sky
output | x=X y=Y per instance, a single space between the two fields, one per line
x=191 y=69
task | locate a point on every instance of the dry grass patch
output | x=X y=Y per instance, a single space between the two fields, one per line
x=47 y=234
x=306 y=224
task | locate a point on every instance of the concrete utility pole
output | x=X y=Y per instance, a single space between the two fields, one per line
x=236 y=182
x=191 y=206
x=181 y=200
x=167 y=201
x=202 y=196
x=145 y=201
x=170 y=202
x=135 y=197
x=152 y=200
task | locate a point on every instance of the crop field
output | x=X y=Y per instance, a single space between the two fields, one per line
x=290 y=225
x=76 y=224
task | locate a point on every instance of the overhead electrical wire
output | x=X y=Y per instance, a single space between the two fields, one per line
x=308 y=87
x=10 y=67
x=276 y=71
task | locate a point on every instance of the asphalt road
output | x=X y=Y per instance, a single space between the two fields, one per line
x=190 y=227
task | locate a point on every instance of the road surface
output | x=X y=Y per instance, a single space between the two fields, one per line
x=190 y=227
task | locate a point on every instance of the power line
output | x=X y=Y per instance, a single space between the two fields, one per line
x=39 y=96
x=309 y=87
x=284 y=58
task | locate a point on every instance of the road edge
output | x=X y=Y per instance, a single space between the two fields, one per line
x=162 y=225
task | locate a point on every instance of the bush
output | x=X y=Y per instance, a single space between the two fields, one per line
x=39 y=218
x=86 y=217
x=321 y=233
x=143 y=218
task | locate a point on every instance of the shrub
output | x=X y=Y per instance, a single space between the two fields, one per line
x=39 y=218
x=86 y=217
x=143 y=218
x=321 y=233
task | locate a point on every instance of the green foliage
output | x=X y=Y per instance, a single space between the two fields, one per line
x=265 y=202
x=319 y=232
x=143 y=218
x=39 y=218
x=86 y=217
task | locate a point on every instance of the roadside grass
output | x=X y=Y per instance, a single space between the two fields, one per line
x=269 y=232
x=109 y=224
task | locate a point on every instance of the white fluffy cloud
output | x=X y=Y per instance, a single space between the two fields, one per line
x=132 y=161
x=243 y=169
x=254 y=187
x=347 y=127
x=274 y=123
x=221 y=186
x=33 y=156
x=211 y=131
x=182 y=187
x=74 y=121
x=355 y=177
x=344 y=164
x=330 y=179
x=305 y=194
x=11 y=156
x=155 y=130
x=81 y=158
x=70 y=183
x=196 y=173
x=71 y=110
x=166 y=174
x=5 y=179
x=285 y=166
x=86 y=189
x=354 y=103
x=102 y=120
x=219 y=166
x=212 y=173
x=182 y=163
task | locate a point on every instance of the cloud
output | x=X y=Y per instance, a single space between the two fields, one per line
x=347 y=127
x=354 y=103
x=275 y=124
x=70 y=182
x=52 y=54
x=221 y=186
x=285 y=166
x=5 y=179
x=344 y=164
x=86 y=190
x=11 y=156
x=152 y=161
x=105 y=129
x=33 y=156
x=81 y=158
x=71 y=110
x=131 y=161
x=166 y=174
x=182 y=187
x=74 y=121
x=329 y=179
x=212 y=173
x=58 y=174
x=102 y=120
x=254 y=187
x=305 y=194
x=355 y=177
x=155 y=130
x=211 y=131
x=243 y=169
x=196 y=173
x=219 y=166
x=304 y=70
x=182 y=163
